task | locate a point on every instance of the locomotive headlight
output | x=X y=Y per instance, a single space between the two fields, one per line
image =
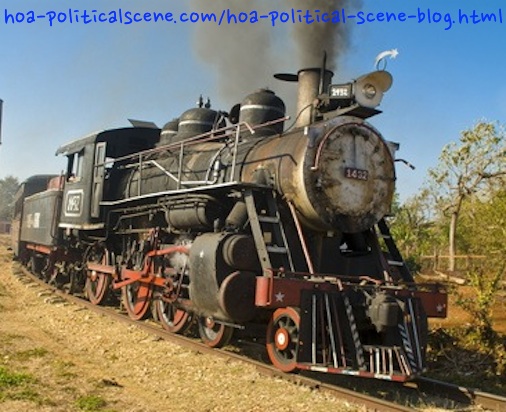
x=369 y=91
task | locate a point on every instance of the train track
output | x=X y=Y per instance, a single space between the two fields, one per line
x=405 y=395
x=463 y=394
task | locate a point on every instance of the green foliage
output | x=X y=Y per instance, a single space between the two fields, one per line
x=483 y=224
x=413 y=264
x=467 y=166
x=486 y=282
x=472 y=166
x=13 y=385
x=91 y=403
x=8 y=188
x=8 y=378
x=414 y=230
x=26 y=394
x=459 y=356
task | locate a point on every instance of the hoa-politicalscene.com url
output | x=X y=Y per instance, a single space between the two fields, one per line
x=446 y=19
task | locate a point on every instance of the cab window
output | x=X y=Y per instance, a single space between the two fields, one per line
x=75 y=166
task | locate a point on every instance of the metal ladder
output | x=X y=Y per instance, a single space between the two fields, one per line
x=273 y=248
x=396 y=257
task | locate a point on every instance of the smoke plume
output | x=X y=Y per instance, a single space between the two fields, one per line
x=312 y=40
x=245 y=56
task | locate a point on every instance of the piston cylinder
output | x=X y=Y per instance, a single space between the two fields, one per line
x=222 y=276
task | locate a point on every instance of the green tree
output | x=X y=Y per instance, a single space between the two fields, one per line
x=472 y=165
x=410 y=225
x=8 y=187
x=483 y=224
x=485 y=280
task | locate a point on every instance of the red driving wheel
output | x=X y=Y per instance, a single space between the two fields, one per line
x=214 y=334
x=137 y=299
x=98 y=285
x=173 y=319
x=283 y=339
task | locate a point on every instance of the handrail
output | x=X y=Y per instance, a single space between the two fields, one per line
x=218 y=134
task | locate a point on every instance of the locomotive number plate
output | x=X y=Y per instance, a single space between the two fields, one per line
x=353 y=173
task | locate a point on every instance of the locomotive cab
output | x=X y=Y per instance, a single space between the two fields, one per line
x=89 y=177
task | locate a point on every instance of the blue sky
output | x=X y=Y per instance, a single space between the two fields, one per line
x=62 y=82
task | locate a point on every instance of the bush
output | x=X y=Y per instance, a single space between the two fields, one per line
x=486 y=283
x=456 y=355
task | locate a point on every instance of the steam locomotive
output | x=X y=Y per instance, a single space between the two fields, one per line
x=227 y=220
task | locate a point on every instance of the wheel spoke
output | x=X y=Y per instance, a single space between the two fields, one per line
x=173 y=319
x=97 y=284
x=282 y=339
x=214 y=334
x=137 y=300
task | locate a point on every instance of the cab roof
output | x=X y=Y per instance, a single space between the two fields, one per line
x=121 y=141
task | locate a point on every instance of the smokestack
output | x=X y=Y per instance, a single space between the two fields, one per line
x=312 y=83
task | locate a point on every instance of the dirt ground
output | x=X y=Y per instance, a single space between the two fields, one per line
x=457 y=316
x=57 y=357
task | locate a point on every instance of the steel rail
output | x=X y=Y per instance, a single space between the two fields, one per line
x=464 y=395
x=370 y=402
x=458 y=393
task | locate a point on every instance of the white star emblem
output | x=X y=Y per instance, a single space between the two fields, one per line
x=279 y=297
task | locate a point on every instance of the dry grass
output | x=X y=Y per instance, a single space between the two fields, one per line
x=79 y=361
x=64 y=358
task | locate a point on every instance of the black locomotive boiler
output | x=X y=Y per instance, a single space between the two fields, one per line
x=229 y=220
